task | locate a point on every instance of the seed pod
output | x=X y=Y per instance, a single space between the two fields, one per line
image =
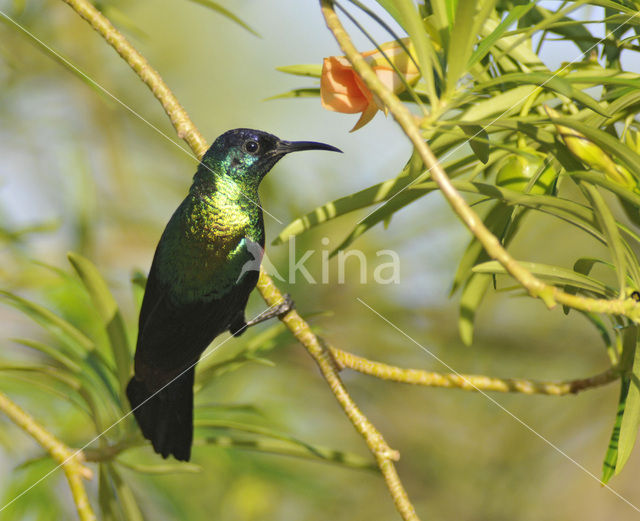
x=519 y=170
x=591 y=154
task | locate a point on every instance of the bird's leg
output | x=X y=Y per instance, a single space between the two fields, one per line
x=239 y=325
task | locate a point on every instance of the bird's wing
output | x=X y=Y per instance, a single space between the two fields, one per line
x=172 y=336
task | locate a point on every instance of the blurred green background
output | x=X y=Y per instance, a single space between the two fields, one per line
x=79 y=172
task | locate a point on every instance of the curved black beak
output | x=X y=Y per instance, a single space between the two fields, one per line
x=286 y=147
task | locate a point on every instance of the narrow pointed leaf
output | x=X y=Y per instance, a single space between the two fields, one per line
x=547 y=81
x=411 y=21
x=215 y=6
x=310 y=70
x=463 y=36
x=631 y=415
x=472 y=295
x=554 y=275
x=67 y=361
x=478 y=141
x=109 y=312
x=611 y=457
x=310 y=92
x=72 y=336
x=612 y=234
x=344 y=205
x=484 y=47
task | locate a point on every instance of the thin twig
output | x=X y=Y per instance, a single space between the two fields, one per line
x=179 y=118
x=385 y=456
x=469 y=382
x=271 y=294
x=69 y=459
x=550 y=295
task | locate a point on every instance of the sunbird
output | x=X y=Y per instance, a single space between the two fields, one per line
x=197 y=288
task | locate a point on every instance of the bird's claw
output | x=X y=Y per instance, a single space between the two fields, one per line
x=285 y=306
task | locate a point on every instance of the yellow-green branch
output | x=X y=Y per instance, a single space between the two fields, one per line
x=536 y=288
x=271 y=294
x=70 y=460
x=179 y=118
x=469 y=382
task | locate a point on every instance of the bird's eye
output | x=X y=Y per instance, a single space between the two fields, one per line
x=251 y=146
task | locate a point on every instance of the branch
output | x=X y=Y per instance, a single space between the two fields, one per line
x=270 y=293
x=550 y=295
x=469 y=382
x=179 y=118
x=69 y=459
x=377 y=445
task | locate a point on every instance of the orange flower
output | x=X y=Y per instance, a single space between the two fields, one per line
x=342 y=90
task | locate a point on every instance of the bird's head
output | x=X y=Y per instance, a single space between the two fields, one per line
x=247 y=155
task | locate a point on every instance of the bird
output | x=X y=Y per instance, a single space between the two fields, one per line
x=198 y=284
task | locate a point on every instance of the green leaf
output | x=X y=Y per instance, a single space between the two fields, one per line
x=51 y=352
x=311 y=70
x=583 y=266
x=70 y=335
x=501 y=104
x=496 y=221
x=631 y=415
x=381 y=214
x=478 y=141
x=266 y=440
x=116 y=498
x=547 y=81
x=611 y=457
x=598 y=178
x=390 y=7
x=464 y=37
x=574 y=33
x=61 y=375
x=215 y=6
x=109 y=312
x=210 y=368
x=612 y=234
x=311 y=92
x=554 y=275
x=472 y=295
x=106 y=495
x=485 y=45
x=411 y=21
x=344 y=205
x=476 y=285
x=97 y=374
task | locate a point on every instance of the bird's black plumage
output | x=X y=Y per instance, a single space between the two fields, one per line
x=197 y=287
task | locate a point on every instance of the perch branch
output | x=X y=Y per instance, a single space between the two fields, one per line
x=469 y=382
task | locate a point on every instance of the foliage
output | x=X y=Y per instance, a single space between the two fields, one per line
x=487 y=96
x=518 y=137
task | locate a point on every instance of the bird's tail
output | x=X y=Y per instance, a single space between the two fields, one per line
x=166 y=417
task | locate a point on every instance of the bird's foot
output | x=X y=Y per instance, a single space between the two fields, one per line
x=278 y=310
x=285 y=306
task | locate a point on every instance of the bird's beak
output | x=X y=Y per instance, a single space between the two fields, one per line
x=286 y=147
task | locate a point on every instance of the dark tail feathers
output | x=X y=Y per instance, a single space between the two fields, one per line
x=166 y=418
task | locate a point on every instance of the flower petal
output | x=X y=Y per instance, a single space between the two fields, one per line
x=367 y=115
x=340 y=88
